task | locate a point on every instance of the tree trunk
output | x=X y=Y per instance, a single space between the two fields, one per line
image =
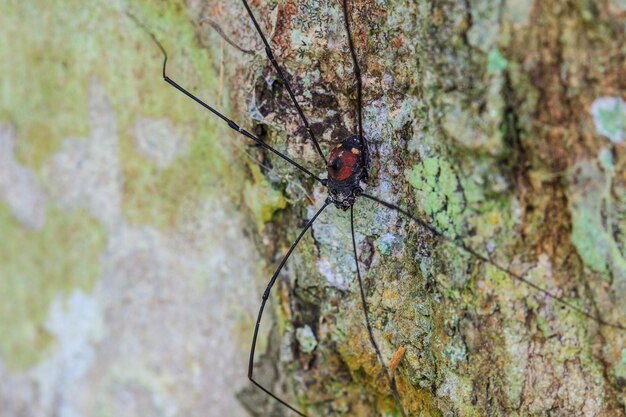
x=498 y=123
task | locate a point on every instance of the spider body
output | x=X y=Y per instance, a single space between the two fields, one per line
x=348 y=171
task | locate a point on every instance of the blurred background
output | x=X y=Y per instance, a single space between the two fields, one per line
x=128 y=287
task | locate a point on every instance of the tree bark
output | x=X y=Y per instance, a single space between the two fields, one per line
x=498 y=123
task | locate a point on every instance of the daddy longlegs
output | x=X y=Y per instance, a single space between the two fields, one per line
x=348 y=170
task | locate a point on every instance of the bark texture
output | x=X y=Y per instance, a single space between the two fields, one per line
x=498 y=122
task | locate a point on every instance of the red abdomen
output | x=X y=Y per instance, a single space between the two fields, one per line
x=342 y=163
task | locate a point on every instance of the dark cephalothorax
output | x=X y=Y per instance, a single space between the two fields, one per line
x=348 y=171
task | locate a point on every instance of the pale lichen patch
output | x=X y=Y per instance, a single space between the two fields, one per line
x=590 y=203
x=86 y=173
x=457 y=389
x=19 y=187
x=77 y=324
x=160 y=141
x=306 y=339
x=37 y=269
x=609 y=117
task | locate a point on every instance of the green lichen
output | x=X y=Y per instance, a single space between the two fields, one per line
x=609 y=115
x=35 y=269
x=590 y=203
x=495 y=62
x=455 y=352
x=261 y=198
x=306 y=339
x=440 y=193
x=160 y=198
x=386 y=244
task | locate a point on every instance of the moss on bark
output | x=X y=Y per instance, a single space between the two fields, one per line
x=479 y=116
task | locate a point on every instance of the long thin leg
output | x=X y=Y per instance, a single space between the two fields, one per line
x=266 y=295
x=230 y=123
x=458 y=243
x=216 y=27
x=357 y=70
x=390 y=378
x=281 y=75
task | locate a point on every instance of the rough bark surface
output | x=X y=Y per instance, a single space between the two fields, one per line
x=499 y=123
x=133 y=223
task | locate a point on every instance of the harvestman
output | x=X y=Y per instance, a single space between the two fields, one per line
x=348 y=171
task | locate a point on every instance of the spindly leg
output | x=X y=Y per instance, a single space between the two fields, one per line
x=390 y=378
x=228 y=121
x=459 y=244
x=266 y=295
x=357 y=70
x=281 y=75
